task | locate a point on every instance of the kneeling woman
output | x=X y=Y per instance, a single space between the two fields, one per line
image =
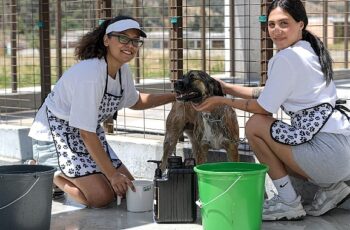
x=316 y=145
x=87 y=94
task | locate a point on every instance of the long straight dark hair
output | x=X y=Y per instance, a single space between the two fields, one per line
x=91 y=44
x=297 y=10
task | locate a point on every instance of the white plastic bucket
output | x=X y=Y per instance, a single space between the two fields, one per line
x=142 y=199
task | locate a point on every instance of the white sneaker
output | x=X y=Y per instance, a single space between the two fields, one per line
x=328 y=198
x=278 y=209
x=30 y=162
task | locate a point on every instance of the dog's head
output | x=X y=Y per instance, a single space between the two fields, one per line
x=195 y=86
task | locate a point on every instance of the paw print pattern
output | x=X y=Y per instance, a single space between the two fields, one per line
x=304 y=125
x=74 y=159
x=108 y=106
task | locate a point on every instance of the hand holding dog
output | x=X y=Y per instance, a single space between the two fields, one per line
x=210 y=104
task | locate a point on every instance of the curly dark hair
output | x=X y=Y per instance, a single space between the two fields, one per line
x=297 y=10
x=91 y=44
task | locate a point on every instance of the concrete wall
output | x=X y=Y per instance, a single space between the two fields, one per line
x=135 y=152
x=15 y=143
x=21 y=101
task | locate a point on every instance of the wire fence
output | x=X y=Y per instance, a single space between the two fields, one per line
x=226 y=38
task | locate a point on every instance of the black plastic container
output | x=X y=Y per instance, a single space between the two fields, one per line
x=175 y=192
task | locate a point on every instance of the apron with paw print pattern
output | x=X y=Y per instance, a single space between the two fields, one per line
x=73 y=157
x=305 y=124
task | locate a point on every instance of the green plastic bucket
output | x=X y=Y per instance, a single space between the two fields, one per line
x=26 y=197
x=231 y=195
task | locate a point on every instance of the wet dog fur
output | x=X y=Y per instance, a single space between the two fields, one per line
x=216 y=130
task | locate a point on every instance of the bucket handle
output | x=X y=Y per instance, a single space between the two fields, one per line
x=201 y=205
x=28 y=191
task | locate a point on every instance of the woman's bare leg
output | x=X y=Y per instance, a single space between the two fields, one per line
x=93 y=190
x=277 y=156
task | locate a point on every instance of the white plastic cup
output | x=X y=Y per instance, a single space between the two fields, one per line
x=142 y=199
x=119 y=200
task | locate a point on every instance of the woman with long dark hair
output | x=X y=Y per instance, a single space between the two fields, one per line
x=316 y=145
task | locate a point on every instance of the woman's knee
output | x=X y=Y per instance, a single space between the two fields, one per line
x=252 y=125
x=94 y=192
x=100 y=202
x=99 y=199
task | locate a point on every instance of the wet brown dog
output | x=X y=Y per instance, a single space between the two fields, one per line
x=216 y=130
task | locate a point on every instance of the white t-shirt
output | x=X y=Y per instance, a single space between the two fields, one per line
x=296 y=82
x=77 y=95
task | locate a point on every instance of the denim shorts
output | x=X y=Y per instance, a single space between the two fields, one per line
x=44 y=153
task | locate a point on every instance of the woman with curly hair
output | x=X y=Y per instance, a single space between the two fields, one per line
x=88 y=93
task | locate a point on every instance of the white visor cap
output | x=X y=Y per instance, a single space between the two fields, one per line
x=123 y=25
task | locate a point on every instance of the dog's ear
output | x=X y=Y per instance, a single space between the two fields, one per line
x=214 y=85
x=218 y=89
x=191 y=73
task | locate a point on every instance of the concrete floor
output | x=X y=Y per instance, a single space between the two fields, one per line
x=68 y=215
